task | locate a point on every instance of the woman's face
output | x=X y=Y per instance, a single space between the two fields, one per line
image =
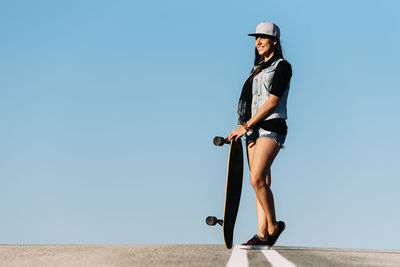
x=265 y=45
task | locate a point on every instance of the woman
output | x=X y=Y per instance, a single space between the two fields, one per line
x=262 y=118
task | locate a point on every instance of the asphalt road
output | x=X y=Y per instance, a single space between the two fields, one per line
x=187 y=255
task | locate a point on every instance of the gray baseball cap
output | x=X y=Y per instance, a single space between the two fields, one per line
x=267 y=28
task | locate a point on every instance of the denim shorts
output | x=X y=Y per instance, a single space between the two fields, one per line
x=258 y=132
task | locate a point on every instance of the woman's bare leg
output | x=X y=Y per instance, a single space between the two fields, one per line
x=261 y=221
x=261 y=217
x=261 y=157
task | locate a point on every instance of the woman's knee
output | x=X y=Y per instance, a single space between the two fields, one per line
x=258 y=180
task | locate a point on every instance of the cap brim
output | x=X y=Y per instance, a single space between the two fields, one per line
x=261 y=35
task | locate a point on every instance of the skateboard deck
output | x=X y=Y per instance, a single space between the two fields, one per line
x=234 y=180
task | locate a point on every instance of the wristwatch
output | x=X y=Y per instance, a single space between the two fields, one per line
x=246 y=126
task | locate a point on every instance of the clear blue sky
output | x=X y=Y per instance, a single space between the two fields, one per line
x=108 y=110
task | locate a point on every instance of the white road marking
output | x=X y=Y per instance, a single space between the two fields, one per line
x=276 y=259
x=238 y=258
x=255 y=247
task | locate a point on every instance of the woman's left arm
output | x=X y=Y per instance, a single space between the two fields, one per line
x=266 y=108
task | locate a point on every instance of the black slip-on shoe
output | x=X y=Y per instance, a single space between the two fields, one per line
x=272 y=238
x=256 y=243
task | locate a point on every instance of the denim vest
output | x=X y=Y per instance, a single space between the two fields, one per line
x=261 y=87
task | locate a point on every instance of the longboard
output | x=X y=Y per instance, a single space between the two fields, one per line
x=234 y=181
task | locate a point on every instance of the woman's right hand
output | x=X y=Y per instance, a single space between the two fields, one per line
x=237 y=133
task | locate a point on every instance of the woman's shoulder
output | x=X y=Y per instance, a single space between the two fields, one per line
x=284 y=65
x=280 y=67
x=283 y=62
x=279 y=64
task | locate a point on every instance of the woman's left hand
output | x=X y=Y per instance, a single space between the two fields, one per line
x=237 y=133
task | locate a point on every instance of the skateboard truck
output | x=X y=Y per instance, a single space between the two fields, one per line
x=211 y=220
x=220 y=141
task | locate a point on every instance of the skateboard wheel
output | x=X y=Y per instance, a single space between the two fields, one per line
x=211 y=220
x=219 y=141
